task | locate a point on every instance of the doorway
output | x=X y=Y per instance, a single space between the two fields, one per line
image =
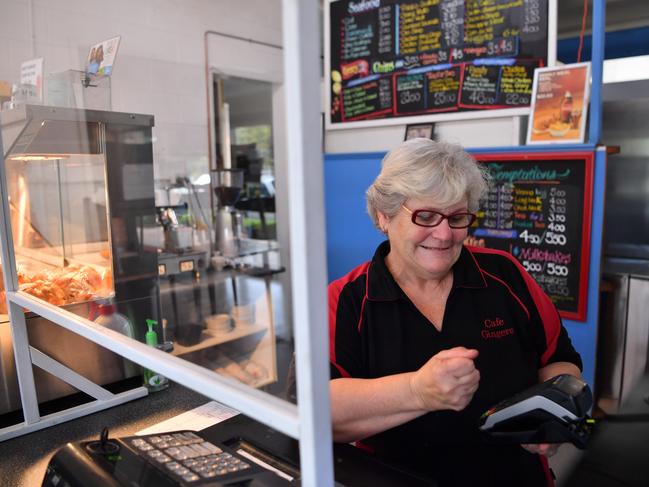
x=244 y=128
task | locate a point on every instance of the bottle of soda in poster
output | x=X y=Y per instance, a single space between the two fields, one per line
x=565 y=111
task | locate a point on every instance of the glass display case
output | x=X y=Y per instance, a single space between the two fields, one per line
x=59 y=218
x=79 y=184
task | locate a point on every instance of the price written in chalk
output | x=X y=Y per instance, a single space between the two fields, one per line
x=385 y=40
x=534 y=209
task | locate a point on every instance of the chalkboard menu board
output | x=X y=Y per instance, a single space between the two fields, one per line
x=396 y=58
x=538 y=208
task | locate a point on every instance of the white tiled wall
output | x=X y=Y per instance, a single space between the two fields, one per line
x=160 y=63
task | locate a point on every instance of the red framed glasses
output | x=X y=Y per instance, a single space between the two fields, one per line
x=432 y=218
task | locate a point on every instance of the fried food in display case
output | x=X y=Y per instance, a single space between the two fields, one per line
x=67 y=285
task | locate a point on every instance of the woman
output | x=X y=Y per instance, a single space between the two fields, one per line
x=431 y=333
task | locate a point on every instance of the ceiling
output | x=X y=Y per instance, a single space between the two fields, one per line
x=620 y=14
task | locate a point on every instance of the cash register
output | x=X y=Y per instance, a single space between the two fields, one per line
x=238 y=452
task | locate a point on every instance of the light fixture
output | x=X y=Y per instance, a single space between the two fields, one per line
x=37 y=157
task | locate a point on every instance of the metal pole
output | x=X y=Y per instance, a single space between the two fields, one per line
x=597 y=69
x=307 y=236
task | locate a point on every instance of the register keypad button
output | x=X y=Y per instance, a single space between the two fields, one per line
x=190 y=452
x=190 y=477
x=200 y=450
x=162 y=459
x=212 y=448
x=176 y=453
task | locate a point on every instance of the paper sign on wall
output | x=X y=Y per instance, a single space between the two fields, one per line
x=31 y=73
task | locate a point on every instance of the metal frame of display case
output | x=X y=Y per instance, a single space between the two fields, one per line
x=309 y=421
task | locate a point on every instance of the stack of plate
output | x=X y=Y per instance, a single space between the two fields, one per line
x=221 y=323
x=243 y=314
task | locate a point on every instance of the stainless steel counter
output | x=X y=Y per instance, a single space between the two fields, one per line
x=623 y=335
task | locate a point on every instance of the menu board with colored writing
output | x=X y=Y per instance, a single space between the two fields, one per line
x=398 y=58
x=538 y=208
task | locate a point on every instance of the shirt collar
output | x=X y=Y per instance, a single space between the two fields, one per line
x=381 y=286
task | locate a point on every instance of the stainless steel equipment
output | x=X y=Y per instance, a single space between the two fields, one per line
x=228 y=184
x=627 y=173
x=623 y=335
x=623 y=332
x=177 y=238
x=80 y=185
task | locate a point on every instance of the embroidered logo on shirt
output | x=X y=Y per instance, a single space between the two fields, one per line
x=494 y=328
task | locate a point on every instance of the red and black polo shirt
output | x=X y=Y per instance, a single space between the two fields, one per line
x=495 y=307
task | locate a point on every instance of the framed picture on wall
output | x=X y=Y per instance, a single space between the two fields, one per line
x=559 y=104
x=425 y=130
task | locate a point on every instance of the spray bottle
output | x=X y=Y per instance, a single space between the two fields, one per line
x=111 y=319
x=152 y=380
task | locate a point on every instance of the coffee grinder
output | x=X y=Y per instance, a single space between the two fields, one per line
x=228 y=222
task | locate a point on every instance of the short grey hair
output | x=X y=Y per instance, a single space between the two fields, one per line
x=422 y=168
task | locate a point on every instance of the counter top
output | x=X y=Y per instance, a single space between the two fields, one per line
x=23 y=460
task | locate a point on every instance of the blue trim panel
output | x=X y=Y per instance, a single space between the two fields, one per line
x=619 y=44
x=597 y=71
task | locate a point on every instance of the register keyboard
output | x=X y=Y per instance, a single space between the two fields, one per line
x=238 y=452
x=188 y=457
x=180 y=458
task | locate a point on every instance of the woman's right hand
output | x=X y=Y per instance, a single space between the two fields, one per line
x=447 y=381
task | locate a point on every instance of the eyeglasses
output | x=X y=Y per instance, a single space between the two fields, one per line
x=431 y=218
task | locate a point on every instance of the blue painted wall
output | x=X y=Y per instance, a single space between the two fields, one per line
x=351 y=236
x=352 y=239
x=618 y=44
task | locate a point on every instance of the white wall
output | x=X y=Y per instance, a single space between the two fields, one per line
x=160 y=64
x=486 y=132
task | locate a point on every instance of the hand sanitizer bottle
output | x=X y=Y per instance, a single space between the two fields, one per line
x=153 y=381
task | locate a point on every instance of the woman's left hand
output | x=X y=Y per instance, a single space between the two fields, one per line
x=546 y=449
